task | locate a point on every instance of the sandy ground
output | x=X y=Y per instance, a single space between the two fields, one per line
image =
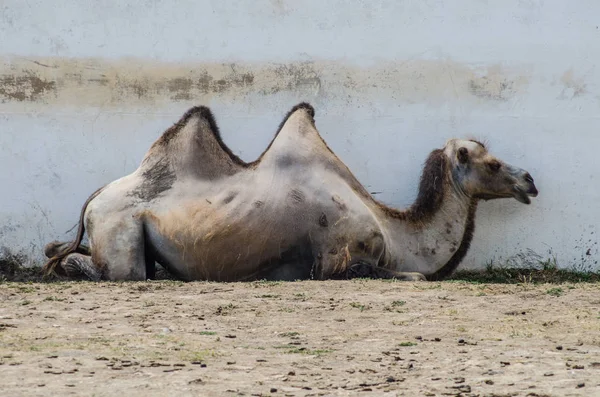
x=359 y=337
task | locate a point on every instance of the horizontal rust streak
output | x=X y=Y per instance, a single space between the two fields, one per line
x=98 y=82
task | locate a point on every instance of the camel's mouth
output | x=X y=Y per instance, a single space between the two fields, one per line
x=523 y=195
x=518 y=192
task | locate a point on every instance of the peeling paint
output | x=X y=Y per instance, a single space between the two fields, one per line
x=24 y=87
x=98 y=82
x=489 y=89
x=495 y=86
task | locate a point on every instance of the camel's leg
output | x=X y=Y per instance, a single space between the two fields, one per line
x=363 y=250
x=79 y=266
x=56 y=247
x=150 y=261
x=118 y=248
x=366 y=270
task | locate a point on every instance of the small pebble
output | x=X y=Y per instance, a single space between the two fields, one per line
x=489 y=382
x=273 y=390
x=559 y=347
x=580 y=385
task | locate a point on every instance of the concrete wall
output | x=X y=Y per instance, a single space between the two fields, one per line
x=86 y=87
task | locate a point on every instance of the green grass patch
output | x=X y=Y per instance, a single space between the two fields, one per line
x=286 y=309
x=545 y=272
x=555 y=291
x=264 y=283
x=54 y=299
x=407 y=344
x=292 y=349
x=289 y=334
x=198 y=356
x=311 y=352
x=359 y=306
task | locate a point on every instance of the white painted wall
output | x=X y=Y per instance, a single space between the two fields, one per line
x=85 y=88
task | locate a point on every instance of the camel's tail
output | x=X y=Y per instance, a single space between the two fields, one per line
x=52 y=265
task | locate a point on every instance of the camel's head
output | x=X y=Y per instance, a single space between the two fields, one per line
x=480 y=175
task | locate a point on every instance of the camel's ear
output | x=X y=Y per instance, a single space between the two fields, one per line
x=463 y=155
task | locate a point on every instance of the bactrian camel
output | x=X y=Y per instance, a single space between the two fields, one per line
x=297 y=212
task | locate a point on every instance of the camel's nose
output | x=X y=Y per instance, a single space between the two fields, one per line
x=531 y=189
x=523 y=180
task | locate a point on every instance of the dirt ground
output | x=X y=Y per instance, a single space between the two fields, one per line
x=359 y=337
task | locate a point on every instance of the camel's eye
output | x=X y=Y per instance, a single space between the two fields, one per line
x=463 y=155
x=494 y=166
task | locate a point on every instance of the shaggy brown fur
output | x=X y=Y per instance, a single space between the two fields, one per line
x=463 y=248
x=432 y=189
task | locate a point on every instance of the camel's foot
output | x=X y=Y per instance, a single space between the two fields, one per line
x=79 y=266
x=53 y=248
x=410 y=276
x=365 y=270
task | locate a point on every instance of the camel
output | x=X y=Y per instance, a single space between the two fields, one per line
x=297 y=212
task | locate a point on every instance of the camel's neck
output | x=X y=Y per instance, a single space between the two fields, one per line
x=434 y=234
